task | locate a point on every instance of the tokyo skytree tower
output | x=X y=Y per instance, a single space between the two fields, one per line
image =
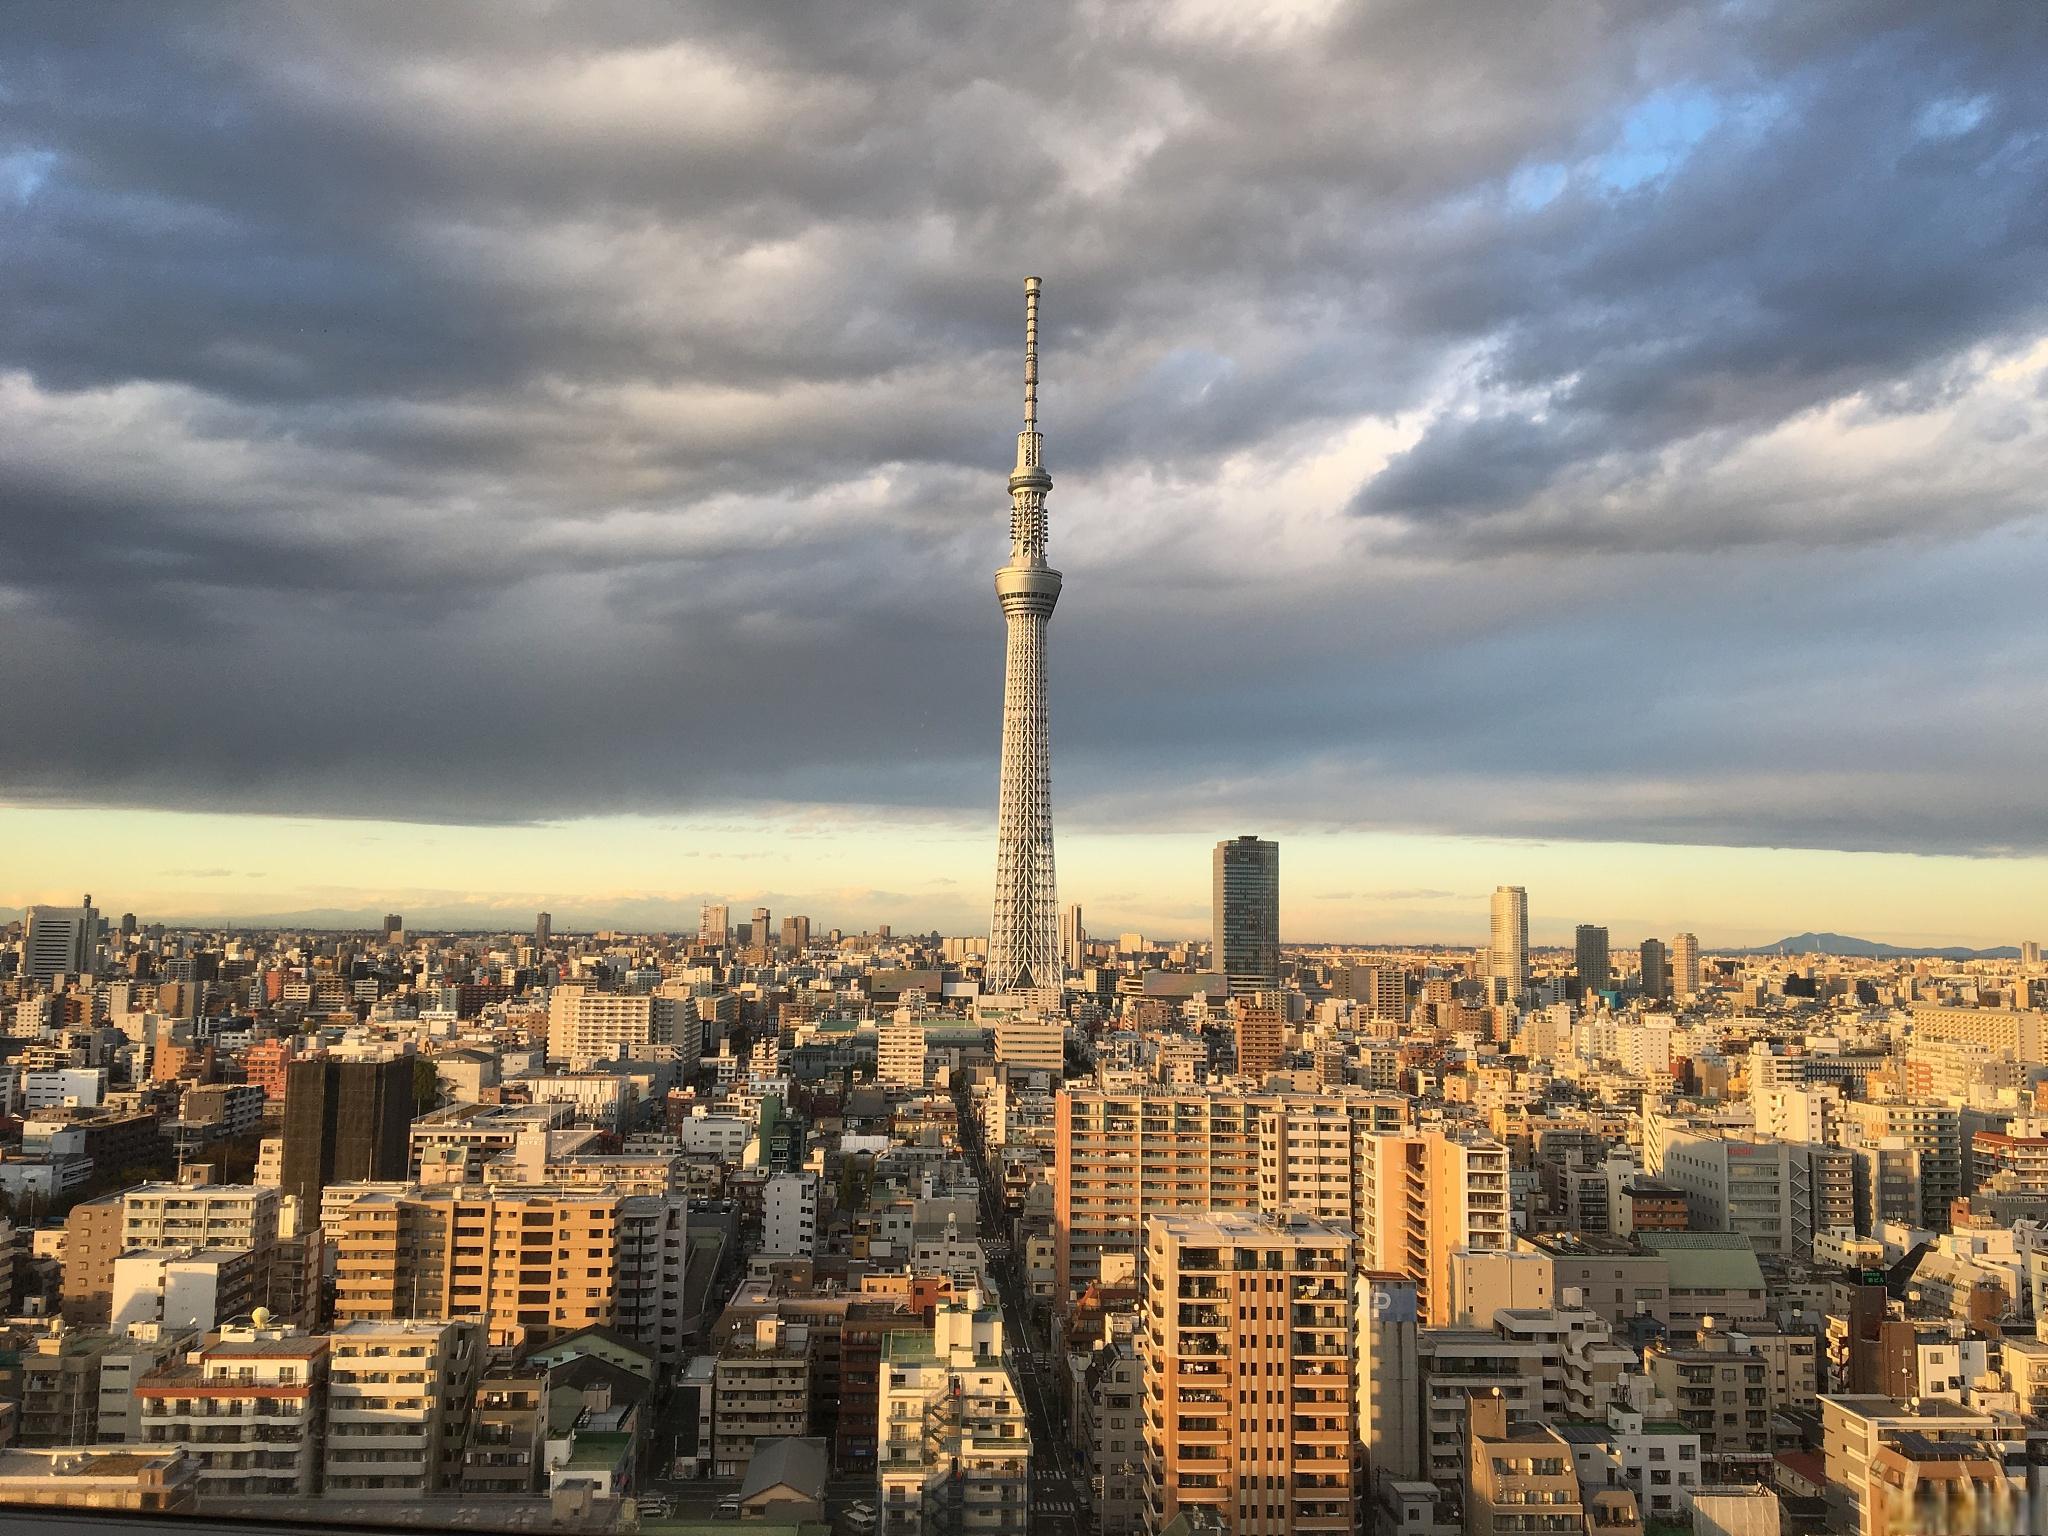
x=1023 y=941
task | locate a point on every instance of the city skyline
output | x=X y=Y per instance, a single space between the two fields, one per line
x=460 y=506
x=1432 y=890
x=510 y=1015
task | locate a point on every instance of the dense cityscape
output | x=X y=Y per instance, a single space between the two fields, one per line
x=1499 y=1002
x=777 y=1223
x=930 y=1235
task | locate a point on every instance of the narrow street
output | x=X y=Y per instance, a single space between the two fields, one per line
x=1059 y=1487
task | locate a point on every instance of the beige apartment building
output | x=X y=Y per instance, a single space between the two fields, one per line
x=761 y=1388
x=529 y=1264
x=398 y=1407
x=1031 y=1041
x=1248 y=1344
x=1521 y=1478
x=163 y=1215
x=586 y=1026
x=1424 y=1196
x=1990 y=1029
x=1120 y=1156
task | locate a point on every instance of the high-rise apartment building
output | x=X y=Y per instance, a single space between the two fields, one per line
x=1508 y=954
x=1656 y=970
x=761 y=934
x=1933 y=1133
x=399 y=1397
x=1595 y=972
x=1248 y=1344
x=60 y=941
x=1685 y=966
x=900 y=1050
x=1122 y=1155
x=952 y=1438
x=796 y=934
x=1245 y=913
x=394 y=926
x=585 y=1025
x=343 y=1120
x=1423 y=1196
x=248 y=1406
x=1073 y=938
x=527 y=1264
x=1379 y=990
x=543 y=930
x=714 y=924
x=1259 y=1023
x=1023 y=940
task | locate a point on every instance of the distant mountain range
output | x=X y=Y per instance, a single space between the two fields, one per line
x=1871 y=949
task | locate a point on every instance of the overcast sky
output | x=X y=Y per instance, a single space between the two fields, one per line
x=1485 y=436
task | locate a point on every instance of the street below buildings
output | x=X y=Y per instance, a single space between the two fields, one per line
x=1059 y=1484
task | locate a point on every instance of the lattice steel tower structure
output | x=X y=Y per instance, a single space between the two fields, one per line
x=1023 y=941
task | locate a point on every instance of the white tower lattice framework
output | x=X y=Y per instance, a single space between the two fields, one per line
x=1023 y=942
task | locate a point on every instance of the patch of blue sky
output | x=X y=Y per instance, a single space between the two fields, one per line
x=1536 y=186
x=1951 y=117
x=23 y=173
x=1657 y=133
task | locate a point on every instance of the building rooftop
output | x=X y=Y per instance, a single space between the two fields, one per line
x=1585 y=1244
x=1708 y=1260
x=593 y=1451
x=795 y=1461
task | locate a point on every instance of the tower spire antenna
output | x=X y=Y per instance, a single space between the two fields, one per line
x=1031 y=286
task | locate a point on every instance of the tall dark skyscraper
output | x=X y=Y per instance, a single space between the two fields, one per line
x=543 y=929
x=1245 y=914
x=1594 y=970
x=344 y=1120
x=1656 y=969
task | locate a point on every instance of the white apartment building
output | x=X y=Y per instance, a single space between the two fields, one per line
x=248 y=1407
x=789 y=1214
x=900 y=1050
x=81 y=1086
x=398 y=1407
x=200 y=1216
x=951 y=1428
x=586 y=1025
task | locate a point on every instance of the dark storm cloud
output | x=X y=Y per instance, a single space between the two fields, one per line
x=493 y=413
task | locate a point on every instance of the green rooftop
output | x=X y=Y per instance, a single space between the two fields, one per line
x=600 y=1451
x=1707 y=1260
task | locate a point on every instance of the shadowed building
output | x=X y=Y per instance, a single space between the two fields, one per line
x=345 y=1121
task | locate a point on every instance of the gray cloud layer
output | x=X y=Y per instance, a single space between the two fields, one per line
x=508 y=412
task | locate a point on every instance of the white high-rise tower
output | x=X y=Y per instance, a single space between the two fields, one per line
x=1023 y=941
